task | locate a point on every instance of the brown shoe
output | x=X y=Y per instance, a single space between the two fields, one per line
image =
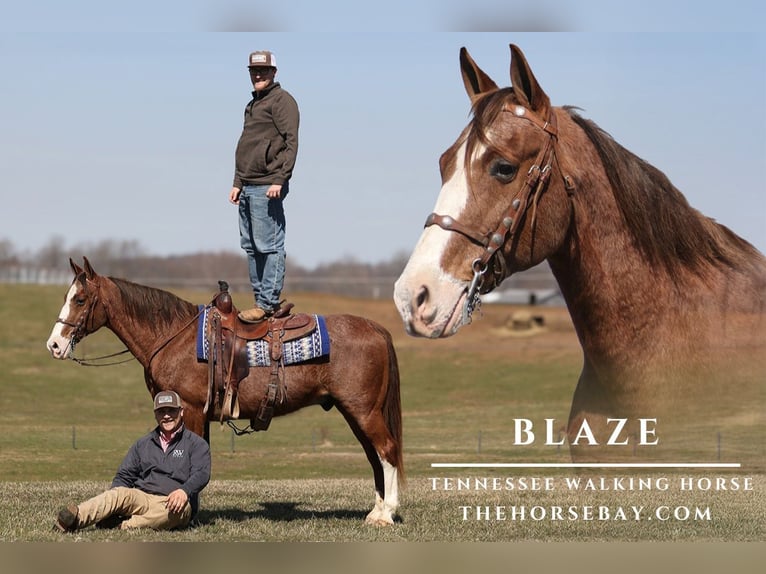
x=254 y=315
x=67 y=519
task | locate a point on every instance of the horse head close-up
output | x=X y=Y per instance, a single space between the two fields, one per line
x=667 y=304
x=504 y=204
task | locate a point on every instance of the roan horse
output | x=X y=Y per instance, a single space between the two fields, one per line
x=669 y=307
x=360 y=379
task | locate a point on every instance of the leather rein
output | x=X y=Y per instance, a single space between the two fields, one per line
x=529 y=195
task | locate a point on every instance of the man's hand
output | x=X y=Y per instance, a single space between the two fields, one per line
x=274 y=191
x=234 y=195
x=176 y=501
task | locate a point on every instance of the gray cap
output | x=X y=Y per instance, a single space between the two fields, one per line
x=262 y=58
x=165 y=399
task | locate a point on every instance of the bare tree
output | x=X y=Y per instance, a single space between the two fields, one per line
x=53 y=254
x=7 y=253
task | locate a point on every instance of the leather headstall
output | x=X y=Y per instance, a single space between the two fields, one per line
x=529 y=194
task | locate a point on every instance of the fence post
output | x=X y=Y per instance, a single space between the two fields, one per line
x=719 y=445
x=74 y=438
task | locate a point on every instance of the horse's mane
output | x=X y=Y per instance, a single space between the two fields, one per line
x=161 y=306
x=666 y=229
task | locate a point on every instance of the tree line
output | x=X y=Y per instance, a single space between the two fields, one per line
x=203 y=270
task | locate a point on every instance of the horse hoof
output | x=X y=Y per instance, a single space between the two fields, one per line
x=378 y=522
x=376 y=518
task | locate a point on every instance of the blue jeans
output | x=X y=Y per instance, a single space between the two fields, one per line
x=262 y=236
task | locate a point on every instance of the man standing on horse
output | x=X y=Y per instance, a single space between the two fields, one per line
x=264 y=162
x=158 y=483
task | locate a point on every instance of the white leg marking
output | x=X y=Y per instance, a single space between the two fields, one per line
x=385 y=508
x=391 y=480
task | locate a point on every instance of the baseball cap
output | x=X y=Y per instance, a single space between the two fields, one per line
x=262 y=58
x=165 y=399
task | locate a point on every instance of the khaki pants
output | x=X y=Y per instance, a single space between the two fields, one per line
x=143 y=510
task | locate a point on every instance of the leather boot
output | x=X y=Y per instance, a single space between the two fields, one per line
x=66 y=521
x=254 y=315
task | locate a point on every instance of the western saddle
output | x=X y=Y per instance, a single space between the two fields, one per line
x=228 y=362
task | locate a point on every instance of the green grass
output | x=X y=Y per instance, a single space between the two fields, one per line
x=65 y=429
x=333 y=509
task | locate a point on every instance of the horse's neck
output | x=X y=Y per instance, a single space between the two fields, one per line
x=140 y=334
x=619 y=301
x=605 y=271
x=614 y=296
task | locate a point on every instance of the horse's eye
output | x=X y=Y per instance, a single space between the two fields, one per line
x=503 y=171
x=80 y=301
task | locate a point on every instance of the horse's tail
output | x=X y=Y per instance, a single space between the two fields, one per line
x=392 y=405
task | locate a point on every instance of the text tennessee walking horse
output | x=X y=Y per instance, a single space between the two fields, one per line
x=360 y=378
x=669 y=306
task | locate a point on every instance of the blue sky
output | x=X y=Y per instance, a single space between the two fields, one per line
x=129 y=135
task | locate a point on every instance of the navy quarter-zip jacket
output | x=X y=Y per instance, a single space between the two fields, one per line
x=185 y=465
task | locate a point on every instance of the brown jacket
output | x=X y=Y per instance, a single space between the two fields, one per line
x=268 y=146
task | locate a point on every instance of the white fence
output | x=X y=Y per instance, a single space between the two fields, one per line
x=35 y=275
x=367 y=287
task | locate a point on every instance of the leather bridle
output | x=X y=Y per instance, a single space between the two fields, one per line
x=80 y=327
x=529 y=195
x=81 y=330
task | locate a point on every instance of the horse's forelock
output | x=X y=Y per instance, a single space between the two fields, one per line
x=485 y=109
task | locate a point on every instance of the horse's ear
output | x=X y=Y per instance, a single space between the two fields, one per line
x=475 y=80
x=525 y=85
x=76 y=269
x=89 y=272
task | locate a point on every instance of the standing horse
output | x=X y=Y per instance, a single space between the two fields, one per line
x=360 y=379
x=668 y=306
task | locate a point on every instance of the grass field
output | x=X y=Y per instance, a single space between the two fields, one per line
x=65 y=429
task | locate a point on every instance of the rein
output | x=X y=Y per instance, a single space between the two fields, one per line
x=173 y=336
x=534 y=184
x=89 y=362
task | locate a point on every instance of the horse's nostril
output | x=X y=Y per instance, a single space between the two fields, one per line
x=422 y=297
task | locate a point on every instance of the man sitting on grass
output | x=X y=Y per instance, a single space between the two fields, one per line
x=158 y=483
